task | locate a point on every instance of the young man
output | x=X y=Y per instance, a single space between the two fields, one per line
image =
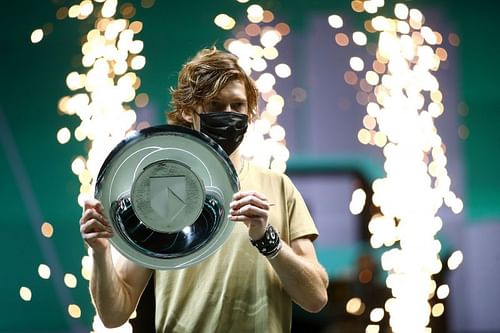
x=269 y=259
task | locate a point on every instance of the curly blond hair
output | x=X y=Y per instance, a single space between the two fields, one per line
x=202 y=78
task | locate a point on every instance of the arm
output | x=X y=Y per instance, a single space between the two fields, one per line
x=299 y=271
x=302 y=276
x=115 y=289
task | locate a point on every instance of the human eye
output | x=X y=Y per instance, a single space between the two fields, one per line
x=213 y=106
x=238 y=106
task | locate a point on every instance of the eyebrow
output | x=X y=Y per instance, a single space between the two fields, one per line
x=236 y=99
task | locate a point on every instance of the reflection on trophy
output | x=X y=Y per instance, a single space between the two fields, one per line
x=166 y=191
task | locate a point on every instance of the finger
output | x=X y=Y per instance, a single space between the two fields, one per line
x=97 y=235
x=241 y=218
x=94 y=226
x=93 y=214
x=94 y=204
x=250 y=211
x=250 y=222
x=241 y=194
x=100 y=208
x=250 y=200
x=90 y=203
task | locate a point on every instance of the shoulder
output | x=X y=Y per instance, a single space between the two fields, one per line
x=256 y=168
x=260 y=171
x=269 y=177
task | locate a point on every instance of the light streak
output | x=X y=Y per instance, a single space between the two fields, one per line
x=102 y=91
x=256 y=48
x=110 y=55
x=403 y=98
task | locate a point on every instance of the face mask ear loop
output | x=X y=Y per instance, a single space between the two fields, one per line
x=196 y=118
x=196 y=122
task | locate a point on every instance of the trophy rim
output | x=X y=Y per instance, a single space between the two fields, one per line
x=231 y=184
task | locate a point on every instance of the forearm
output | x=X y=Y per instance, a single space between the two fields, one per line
x=109 y=294
x=303 y=279
x=299 y=271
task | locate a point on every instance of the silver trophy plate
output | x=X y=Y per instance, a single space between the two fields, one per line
x=166 y=191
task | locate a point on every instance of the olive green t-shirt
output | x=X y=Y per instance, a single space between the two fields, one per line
x=236 y=289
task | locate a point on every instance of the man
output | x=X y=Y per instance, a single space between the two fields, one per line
x=269 y=259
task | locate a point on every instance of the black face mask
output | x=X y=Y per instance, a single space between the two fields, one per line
x=226 y=128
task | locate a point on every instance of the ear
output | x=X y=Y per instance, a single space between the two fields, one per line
x=192 y=118
x=187 y=116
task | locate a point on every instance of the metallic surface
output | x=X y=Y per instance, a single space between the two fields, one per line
x=166 y=191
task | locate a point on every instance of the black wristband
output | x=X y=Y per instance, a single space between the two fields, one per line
x=270 y=244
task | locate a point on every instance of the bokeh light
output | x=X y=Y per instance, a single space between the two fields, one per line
x=63 y=135
x=74 y=311
x=102 y=92
x=25 y=294
x=335 y=21
x=355 y=306
x=225 y=21
x=256 y=46
x=70 y=280
x=36 y=36
x=402 y=97
x=44 y=271
x=47 y=229
x=455 y=260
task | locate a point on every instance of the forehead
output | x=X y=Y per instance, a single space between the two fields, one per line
x=234 y=89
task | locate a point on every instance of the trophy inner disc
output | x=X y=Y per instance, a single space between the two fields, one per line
x=166 y=191
x=167 y=196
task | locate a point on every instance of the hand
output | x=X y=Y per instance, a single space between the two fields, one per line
x=251 y=208
x=94 y=226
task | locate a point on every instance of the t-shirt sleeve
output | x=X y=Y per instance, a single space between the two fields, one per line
x=300 y=221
